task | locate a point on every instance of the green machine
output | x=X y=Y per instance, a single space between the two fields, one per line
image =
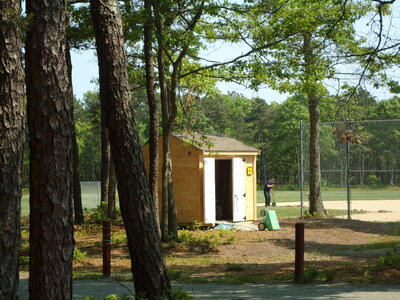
x=270 y=220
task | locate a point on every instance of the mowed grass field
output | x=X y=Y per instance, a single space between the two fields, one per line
x=335 y=195
x=90 y=198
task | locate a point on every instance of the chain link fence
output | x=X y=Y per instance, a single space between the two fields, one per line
x=91 y=194
x=360 y=165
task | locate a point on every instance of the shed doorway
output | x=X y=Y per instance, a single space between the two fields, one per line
x=223 y=189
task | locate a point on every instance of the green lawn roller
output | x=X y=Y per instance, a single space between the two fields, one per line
x=270 y=220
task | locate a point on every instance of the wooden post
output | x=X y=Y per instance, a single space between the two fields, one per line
x=299 y=259
x=106 y=248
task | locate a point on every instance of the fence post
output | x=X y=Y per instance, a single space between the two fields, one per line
x=106 y=248
x=348 y=174
x=301 y=171
x=299 y=253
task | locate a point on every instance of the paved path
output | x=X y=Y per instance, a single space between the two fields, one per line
x=213 y=291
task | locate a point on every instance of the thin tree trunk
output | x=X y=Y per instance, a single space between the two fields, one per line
x=49 y=120
x=105 y=152
x=164 y=111
x=137 y=206
x=316 y=205
x=152 y=102
x=11 y=145
x=112 y=188
x=172 y=212
x=76 y=183
x=77 y=195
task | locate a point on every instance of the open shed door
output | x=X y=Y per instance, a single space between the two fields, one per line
x=209 y=190
x=239 y=214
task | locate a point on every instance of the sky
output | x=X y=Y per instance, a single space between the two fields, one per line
x=85 y=69
x=85 y=72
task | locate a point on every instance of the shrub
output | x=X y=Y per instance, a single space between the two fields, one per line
x=79 y=255
x=390 y=259
x=372 y=180
x=24 y=260
x=310 y=275
x=206 y=240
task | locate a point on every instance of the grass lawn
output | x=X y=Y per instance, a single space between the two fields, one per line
x=290 y=212
x=339 y=194
x=90 y=198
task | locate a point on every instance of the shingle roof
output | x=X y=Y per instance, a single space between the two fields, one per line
x=215 y=142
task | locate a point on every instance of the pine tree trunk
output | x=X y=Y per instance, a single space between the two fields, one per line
x=76 y=182
x=164 y=188
x=172 y=212
x=11 y=145
x=105 y=152
x=49 y=120
x=152 y=102
x=137 y=206
x=164 y=175
x=112 y=189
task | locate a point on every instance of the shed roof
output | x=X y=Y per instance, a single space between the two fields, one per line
x=215 y=142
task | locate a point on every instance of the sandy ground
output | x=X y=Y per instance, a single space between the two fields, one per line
x=379 y=211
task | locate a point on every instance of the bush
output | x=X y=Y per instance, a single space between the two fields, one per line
x=391 y=259
x=310 y=275
x=24 y=260
x=206 y=240
x=372 y=180
x=99 y=214
x=79 y=255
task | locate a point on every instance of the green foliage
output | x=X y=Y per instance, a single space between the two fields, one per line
x=118 y=238
x=310 y=274
x=375 y=246
x=24 y=260
x=180 y=294
x=87 y=126
x=372 y=180
x=174 y=274
x=113 y=297
x=394 y=230
x=177 y=294
x=391 y=259
x=79 y=255
x=99 y=214
x=207 y=240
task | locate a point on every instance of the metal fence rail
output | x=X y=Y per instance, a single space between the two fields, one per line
x=360 y=159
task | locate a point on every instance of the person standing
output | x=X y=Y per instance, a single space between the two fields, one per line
x=269 y=185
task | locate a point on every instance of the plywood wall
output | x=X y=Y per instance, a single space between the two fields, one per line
x=188 y=179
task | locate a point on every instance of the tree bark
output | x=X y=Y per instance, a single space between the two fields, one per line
x=164 y=113
x=112 y=188
x=137 y=206
x=172 y=212
x=105 y=152
x=11 y=145
x=49 y=120
x=152 y=102
x=316 y=205
x=76 y=182
x=168 y=112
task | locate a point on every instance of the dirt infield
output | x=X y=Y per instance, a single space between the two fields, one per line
x=376 y=211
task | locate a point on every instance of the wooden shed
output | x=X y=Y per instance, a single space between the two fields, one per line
x=214 y=180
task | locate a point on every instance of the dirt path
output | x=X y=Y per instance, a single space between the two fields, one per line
x=380 y=211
